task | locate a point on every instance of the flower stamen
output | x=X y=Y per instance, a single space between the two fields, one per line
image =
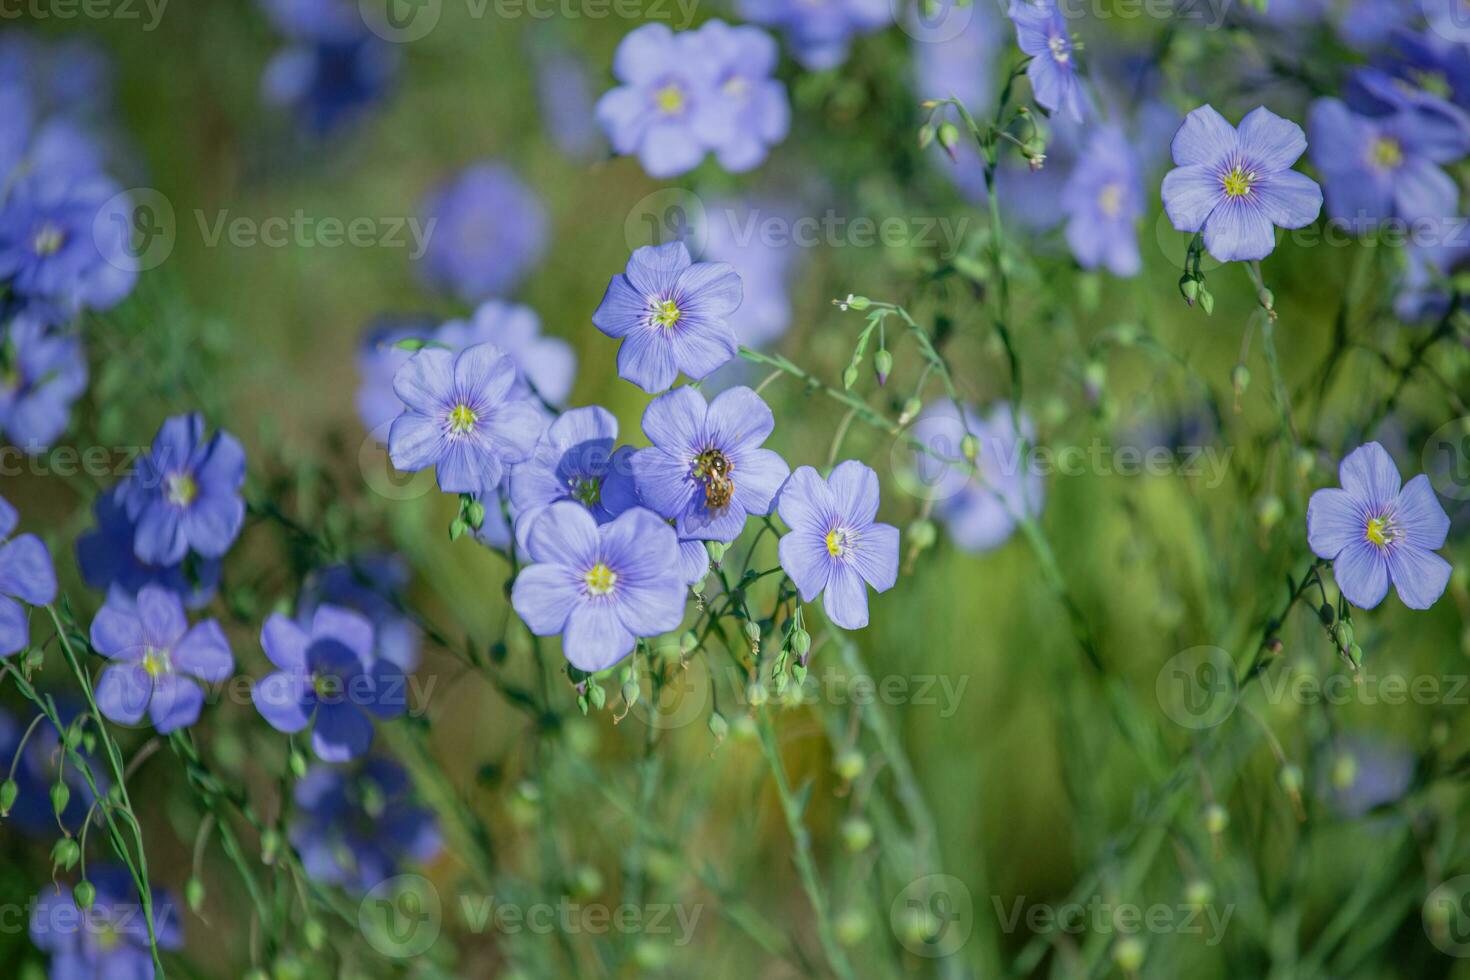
x=600 y=579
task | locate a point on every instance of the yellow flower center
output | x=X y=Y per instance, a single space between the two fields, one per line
x=180 y=489
x=1237 y=182
x=666 y=314
x=107 y=937
x=156 y=662
x=1110 y=200
x=462 y=419
x=1061 y=51
x=48 y=239
x=1386 y=153
x=839 y=542
x=588 y=492
x=670 y=100
x=326 y=686
x=601 y=579
x=1378 y=531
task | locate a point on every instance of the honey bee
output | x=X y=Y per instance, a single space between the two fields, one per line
x=713 y=468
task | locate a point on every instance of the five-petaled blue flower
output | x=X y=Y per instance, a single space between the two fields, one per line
x=1235 y=185
x=671 y=314
x=185 y=494
x=461 y=418
x=706 y=469
x=1104 y=199
x=26 y=575
x=328 y=673
x=836 y=548
x=485 y=231
x=577 y=459
x=1375 y=529
x=109 y=939
x=64 y=243
x=109 y=564
x=41 y=373
x=1041 y=32
x=600 y=587
x=158 y=659
x=357 y=828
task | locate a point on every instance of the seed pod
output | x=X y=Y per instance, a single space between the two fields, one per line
x=9 y=790
x=60 y=797
x=85 y=894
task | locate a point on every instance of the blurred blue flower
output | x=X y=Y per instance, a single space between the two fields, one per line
x=329 y=677
x=672 y=315
x=980 y=507
x=462 y=418
x=820 y=31
x=600 y=587
x=564 y=90
x=736 y=234
x=42 y=372
x=545 y=366
x=185 y=495
x=488 y=231
x=64 y=243
x=835 y=547
x=70 y=76
x=706 y=469
x=1375 y=529
x=367 y=585
x=1041 y=32
x=330 y=84
x=749 y=110
x=1104 y=198
x=1424 y=291
x=1236 y=185
x=577 y=459
x=158 y=660
x=1383 y=167
x=954 y=54
x=109 y=564
x=26 y=576
x=109 y=939
x=356 y=828
x=378 y=361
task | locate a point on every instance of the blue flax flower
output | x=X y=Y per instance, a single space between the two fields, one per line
x=461 y=418
x=1104 y=197
x=706 y=469
x=665 y=107
x=577 y=459
x=26 y=576
x=488 y=231
x=1385 y=166
x=820 y=31
x=42 y=372
x=1375 y=529
x=671 y=314
x=185 y=494
x=836 y=548
x=109 y=564
x=357 y=828
x=1235 y=185
x=546 y=366
x=64 y=243
x=750 y=111
x=109 y=939
x=1041 y=32
x=329 y=674
x=158 y=659
x=600 y=587
x=367 y=585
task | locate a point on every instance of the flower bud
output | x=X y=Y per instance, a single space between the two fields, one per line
x=926 y=136
x=1326 y=614
x=850 y=764
x=1128 y=954
x=1207 y=301
x=60 y=797
x=850 y=376
x=688 y=643
x=949 y=136
x=801 y=643
x=716 y=550
x=753 y=633
x=1217 y=818
x=1291 y=778
x=1344 y=771
x=475 y=515
x=297 y=761
x=9 y=790
x=857 y=834
x=883 y=366
x=1269 y=511
x=718 y=726
x=65 y=853
x=194 y=894
x=457 y=528
x=1342 y=634
x=970 y=447
x=858 y=303
x=596 y=695
x=85 y=894
x=852 y=926
x=1199 y=892
x=923 y=534
x=1189 y=289
x=630 y=693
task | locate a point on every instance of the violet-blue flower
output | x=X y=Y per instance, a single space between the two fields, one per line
x=460 y=417
x=109 y=564
x=359 y=827
x=1104 y=197
x=185 y=495
x=26 y=576
x=600 y=587
x=706 y=469
x=328 y=677
x=369 y=585
x=1383 y=167
x=577 y=459
x=546 y=366
x=1041 y=32
x=64 y=243
x=666 y=110
x=981 y=505
x=1375 y=529
x=486 y=230
x=378 y=359
x=326 y=84
x=42 y=372
x=748 y=108
x=671 y=314
x=836 y=548
x=1235 y=185
x=820 y=32
x=109 y=938
x=158 y=660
